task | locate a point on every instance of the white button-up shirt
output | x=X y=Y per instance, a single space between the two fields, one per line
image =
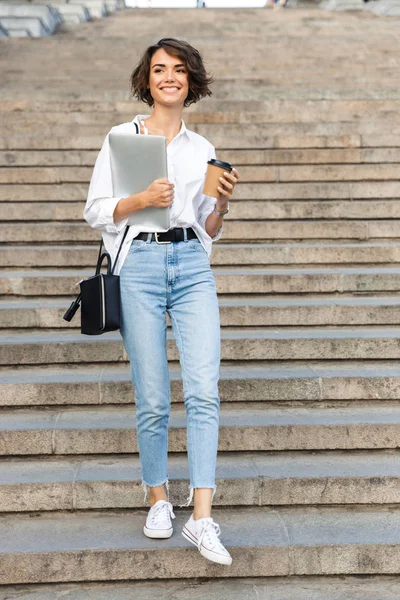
x=187 y=156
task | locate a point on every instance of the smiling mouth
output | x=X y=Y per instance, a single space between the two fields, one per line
x=171 y=89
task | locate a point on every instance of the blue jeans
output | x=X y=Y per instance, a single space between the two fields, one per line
x=176 y=279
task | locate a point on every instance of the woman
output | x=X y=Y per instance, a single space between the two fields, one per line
x=170 y=273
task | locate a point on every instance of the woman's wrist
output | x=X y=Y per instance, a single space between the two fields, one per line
x=130 y=204
x=221 y=211
x=222 y=203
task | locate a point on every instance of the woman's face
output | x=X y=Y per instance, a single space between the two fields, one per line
x=169 y=79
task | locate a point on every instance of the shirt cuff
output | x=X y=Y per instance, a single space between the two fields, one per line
x=107 y=216
x=218 y=234
x=202 y=223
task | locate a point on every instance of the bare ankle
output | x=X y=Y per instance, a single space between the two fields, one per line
x=201 y=515
x=157 y=493
x=155 y=499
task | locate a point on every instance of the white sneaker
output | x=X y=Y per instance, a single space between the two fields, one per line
x=158 y=522
x=204 y=533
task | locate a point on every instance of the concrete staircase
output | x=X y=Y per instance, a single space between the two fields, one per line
x=35 y=18
x=308 y=274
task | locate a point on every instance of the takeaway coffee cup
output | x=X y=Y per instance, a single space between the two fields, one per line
x=215 y=170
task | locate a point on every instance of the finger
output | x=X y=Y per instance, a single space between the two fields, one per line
x=236 y=173
x=226 y=183
x=230 y=176
x=223 y=192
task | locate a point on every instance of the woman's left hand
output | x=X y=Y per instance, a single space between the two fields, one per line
x=228 y=182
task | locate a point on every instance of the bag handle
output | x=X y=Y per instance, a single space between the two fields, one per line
x=99 y=262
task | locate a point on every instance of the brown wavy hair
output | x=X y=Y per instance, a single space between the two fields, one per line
x=199 y=80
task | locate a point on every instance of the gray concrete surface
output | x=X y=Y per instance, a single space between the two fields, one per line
x=296 y=588
x=262 y=543
x=284 y=478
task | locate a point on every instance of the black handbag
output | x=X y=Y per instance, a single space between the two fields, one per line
x=99 y=298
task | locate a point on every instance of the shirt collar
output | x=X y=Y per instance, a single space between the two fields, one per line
x=183 y=129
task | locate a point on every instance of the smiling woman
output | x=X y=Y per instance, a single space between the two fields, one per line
x=169 y=272
x=187 y=65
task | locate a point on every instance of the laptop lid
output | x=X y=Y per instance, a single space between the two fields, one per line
x=136 y=161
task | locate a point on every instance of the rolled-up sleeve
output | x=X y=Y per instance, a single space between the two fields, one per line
x=100 y=203
x=207 y=204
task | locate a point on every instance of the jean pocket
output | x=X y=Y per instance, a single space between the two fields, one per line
x=137 y=244
x=195 y=244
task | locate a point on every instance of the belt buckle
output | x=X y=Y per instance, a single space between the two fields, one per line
x=156 y=238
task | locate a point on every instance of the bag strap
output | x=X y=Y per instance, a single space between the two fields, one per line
x=119 y=250
x=126 y=230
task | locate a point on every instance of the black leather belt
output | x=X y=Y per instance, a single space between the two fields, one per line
x=172 y=235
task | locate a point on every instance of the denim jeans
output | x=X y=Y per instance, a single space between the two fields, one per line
x=176 y=279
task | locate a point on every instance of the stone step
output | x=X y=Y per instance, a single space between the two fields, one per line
x=73 y=192
x=242 y=479
x=243 y=211
x=33 y=25
x=257 y=18
x=84 y=84
x=301 y=343
x=324 y=101
x=248 y=174
x=248 y=426
x=67 y=99
x=93 y=143
x=214 y=43
x=282 y=588
x=233 y=230
x=296 y=383
x=246 y=311
x=16 y=284
x=100 y=546
x=308 y=156
x=23 y=109
x=277 y=141
x=278 y=111
x=251 y=135
x=87 y=113
x=231 y=255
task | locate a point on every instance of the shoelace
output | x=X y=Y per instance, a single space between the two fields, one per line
x=211 y=530
x=158 y=512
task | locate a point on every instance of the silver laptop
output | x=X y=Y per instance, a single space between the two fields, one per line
x=136 y=161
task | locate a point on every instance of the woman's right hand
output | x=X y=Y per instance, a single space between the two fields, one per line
x=160 y=193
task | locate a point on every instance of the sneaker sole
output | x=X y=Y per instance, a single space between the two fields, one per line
x=217 y=558
x=158 y=533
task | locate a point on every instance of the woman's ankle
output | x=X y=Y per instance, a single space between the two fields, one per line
x=153 y=501
x=157 y=493
x=201 y=515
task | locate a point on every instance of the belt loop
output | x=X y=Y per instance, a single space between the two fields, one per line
x=185 y=234
x=149 y=236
